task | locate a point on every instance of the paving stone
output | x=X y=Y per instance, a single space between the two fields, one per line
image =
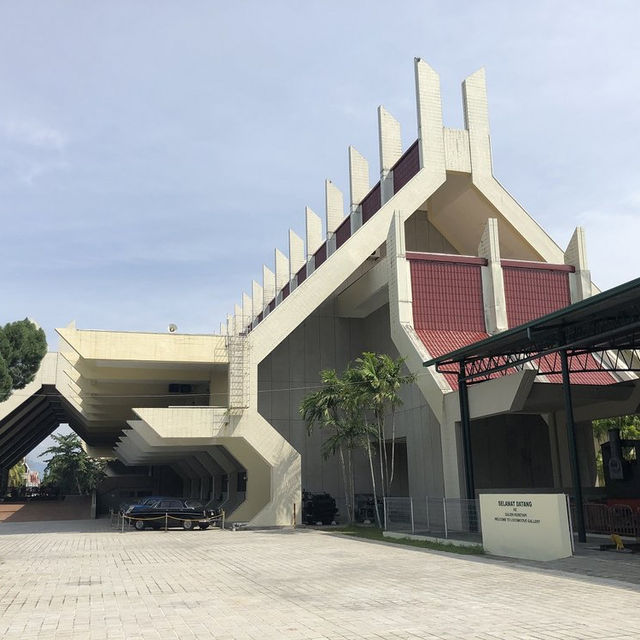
x=83 y=580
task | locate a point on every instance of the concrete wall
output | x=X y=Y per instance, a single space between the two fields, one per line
x=291 y=371
x=421 y=235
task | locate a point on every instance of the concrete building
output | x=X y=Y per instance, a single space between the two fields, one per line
x=433 y=256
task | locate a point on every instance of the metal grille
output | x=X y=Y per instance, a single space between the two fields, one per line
x=449 y=518
x=238 y=373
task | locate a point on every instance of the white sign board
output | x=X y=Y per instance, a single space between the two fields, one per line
x=533 y=526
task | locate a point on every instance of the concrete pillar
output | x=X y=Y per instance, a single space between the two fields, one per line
x=268 y=287
x=359 y=184
x=390 y=150
x=296 y=254
x=476 y=121
x=576 y=255
x=313 y=231
x=282 y=270
x=495 y=306
x=257 y=296
x=334 y=206
x=237 y=320
x=230 y=325
x=429 y=111
x=247 y=309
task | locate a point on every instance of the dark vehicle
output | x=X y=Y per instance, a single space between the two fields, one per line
x=170 y=512
x=123 y=506
x=318 y=507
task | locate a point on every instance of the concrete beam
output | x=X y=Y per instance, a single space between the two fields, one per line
x=576 y=255
x=296 y=253
x=334 y=206
x=495 y=306
x=390 y=150
x=476 y=121
x=429 y=111
x=359 y=184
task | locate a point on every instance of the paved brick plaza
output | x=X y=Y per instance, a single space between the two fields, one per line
x=82 y=580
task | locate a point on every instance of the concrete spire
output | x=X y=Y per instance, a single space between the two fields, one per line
x=237 y=319
x=257 y=296
x=576 y=255
x=296 y=253
x=390 y=150
x=358 y=177
x=476 y=121
x=282 y=270
x=429 y=112
x=334 y=206
x=313 y=224
x=268 y=285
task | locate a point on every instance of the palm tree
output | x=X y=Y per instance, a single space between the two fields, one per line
x=377 y=378
x=325 y=408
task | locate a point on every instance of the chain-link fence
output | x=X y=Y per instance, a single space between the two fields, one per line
x=450 y=518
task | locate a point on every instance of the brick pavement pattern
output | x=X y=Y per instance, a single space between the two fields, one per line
x=83 y=580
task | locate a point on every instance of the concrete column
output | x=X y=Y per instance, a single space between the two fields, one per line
x=247 y=309
x=359 y=184
x=223 y=328
x=313 y=224
x=257 y=296
x=296 y=254
x=495 y=306
x=429 y=111
x=476 y=120
x=334 y=206
x=576 y=255
x=268 y=286
x=237 y=320
x=390 y=150
x=230 y=325
x=282 y=270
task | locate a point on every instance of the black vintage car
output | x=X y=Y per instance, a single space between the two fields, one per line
x=169 y=512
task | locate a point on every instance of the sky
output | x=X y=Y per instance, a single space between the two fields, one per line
x=153 y=154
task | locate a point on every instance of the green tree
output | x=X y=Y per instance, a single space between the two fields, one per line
x=16 y=474
x=69 y=466
x=22 y=347
x=326 y=409
x=377 y=378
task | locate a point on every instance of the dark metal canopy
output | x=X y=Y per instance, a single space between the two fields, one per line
x=606 y=325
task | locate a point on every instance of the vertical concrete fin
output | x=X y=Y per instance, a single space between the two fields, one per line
x=334 y=205
x=576 y=256
x=358 y=177
x=257 y=297
x=296 y=253
x=429 y=112
x=400 y=295
x=268 y=285
x=282 y=270
x=247 y=309
x=495 y=306
x=223 y=328
x=230 y=325
x=313 y=230
x=476 y=121
x=390 y=150
x=237 y=320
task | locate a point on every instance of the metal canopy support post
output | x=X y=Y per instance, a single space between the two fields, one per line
x=573 y=446
x=465 y=423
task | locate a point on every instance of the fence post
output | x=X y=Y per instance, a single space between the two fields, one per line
x=223 y=518
x=428 y=523
x=384 y=512
x=413 y=525
x=166 y=521
x=122 y=530
x=444 y=511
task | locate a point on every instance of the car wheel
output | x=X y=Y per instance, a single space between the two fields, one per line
x=187 y=525
x=204 y=525
x=139 y=525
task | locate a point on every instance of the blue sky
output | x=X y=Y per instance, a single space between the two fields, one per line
x=153 y=154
